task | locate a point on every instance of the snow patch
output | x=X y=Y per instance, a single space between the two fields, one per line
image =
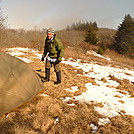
x=25 y=59
x=98 y=55
x=94 y=128
x=18 y=52
x=103 y=121
x=99 y=71
x=72 y=89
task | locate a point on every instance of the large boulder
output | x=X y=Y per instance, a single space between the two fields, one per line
x=18 y=83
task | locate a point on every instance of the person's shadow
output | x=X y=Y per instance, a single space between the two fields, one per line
x=40 y=76
x=38 y=73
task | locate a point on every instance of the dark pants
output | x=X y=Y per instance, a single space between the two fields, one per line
x=50 y=64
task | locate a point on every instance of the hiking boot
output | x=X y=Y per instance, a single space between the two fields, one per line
x=45 y=79
x=58 y=75
x=57 y=82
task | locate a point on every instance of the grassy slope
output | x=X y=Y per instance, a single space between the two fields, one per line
x=38 y=116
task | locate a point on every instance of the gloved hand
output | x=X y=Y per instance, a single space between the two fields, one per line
x=42 y=59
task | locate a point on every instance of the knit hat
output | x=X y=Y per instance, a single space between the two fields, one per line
x=50 y=30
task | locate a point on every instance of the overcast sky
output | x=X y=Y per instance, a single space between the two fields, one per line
x=60 y=13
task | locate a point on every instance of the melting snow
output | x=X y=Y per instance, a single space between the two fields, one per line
x=73 y=89
x=101 y=93
x=25 y=59
x=103 y=121
x=94 y=128
x=113 y=102
x=18 y=52
x=98 y=55
x=56 y=120
x=99 y=71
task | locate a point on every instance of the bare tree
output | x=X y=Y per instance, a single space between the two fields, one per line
x=3 y=29
x=3 y=22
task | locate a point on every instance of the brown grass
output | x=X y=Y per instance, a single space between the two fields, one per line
x=38 y=116
x=120 y=60
x=119 y=125
x=125 y=85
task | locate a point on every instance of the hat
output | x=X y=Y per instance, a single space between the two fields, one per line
x=50 y=30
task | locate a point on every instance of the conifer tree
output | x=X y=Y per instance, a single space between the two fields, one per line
x=102 y=48
x=124 y=39
x=82 y=26
x=90 y=36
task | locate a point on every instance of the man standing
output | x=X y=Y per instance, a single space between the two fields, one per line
x=53 y=51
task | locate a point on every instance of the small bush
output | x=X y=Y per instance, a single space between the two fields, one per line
x=102 y=49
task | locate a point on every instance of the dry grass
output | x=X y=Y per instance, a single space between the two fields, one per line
x=40 y=118
x=119 y=59
x=125 y=85
x=119 y=125
x=39 y=115
x=73 y=41
x=116 y=59
x=71 y=37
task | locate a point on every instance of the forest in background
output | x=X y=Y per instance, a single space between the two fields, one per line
x=81 y=35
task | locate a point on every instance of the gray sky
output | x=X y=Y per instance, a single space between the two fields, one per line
x=60 y=13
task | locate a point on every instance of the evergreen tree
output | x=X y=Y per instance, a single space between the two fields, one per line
x=124 y=39
x=90 y=36
x=82 y=26
x=102 y=48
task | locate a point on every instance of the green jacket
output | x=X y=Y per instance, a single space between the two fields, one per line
x=54 y=47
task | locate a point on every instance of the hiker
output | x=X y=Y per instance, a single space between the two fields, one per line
x=53 y=51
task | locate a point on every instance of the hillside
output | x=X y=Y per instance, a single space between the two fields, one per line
x=96 y=96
